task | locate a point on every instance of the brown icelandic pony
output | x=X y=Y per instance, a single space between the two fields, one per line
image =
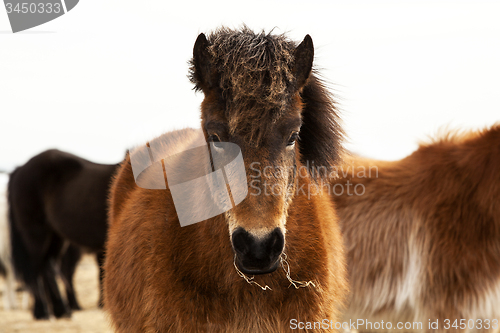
x=161 y=277
x=423 y=233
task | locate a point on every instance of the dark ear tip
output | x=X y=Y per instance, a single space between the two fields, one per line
x=200 y=44
x=308 y=40
x=305 y=47
x=201 y=38
x=307 y=43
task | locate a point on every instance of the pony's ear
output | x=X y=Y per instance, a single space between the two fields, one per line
x=304 y=55
x=201 y=65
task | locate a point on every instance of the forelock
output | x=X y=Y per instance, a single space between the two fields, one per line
x=255 y=77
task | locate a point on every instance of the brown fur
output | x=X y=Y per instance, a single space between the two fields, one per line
x=423 y=241
x=161 y=277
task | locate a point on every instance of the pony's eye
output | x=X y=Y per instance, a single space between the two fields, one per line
x=214 y=138
x=294 y=137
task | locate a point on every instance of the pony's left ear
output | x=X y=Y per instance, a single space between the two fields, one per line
x=201 y=71
x=304 y=55
x=320 y=142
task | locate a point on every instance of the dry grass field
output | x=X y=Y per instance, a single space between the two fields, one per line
x=90 y=320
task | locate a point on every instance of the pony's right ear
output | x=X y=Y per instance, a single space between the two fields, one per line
x=201 y=65
x=304 y=55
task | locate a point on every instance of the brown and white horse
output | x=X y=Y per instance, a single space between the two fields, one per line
x=274 y=261
x=423 y=235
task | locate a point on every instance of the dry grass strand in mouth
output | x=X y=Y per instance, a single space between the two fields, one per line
x=284 y=262
x=295 y=283
x=249 y=279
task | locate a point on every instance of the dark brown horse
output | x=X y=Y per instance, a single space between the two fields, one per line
x=57 y=206
x=275 y=260
x=423 y=235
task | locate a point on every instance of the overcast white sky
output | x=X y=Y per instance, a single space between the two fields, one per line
x=111 y=74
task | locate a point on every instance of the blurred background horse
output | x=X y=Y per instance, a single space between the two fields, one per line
x=423 y=233
x=57 y=207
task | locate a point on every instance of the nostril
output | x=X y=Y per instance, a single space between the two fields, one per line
x=242 y=241
x=276 y=242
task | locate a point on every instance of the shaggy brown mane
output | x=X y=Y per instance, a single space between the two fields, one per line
x=321 y=135
x=456 y=136
x=255 y=79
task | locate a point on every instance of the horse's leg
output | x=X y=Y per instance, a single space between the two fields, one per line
x=3 y=272
x=6 y=268
x=29 y=249
x=25 y=299
x=69 y=261
x=40 y=307
x=100 y=263
x=6 y=303
x=59 y=307
x=10 y=290
x=3 y=269
x=35 y=285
